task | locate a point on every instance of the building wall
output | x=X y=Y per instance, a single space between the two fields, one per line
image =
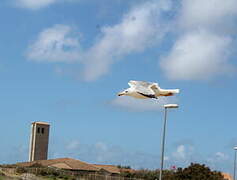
x=39 y=141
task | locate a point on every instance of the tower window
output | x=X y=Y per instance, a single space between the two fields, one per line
x=42 y=130
x=38 y=130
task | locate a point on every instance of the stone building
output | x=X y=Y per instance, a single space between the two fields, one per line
x=39 y=141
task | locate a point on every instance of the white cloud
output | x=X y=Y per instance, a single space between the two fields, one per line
x=73 y=145
x=101 y=146
x=221 y=156
x=211 y=13
x=183 y=155
x=198 y=55
x=183 y=152
x=34 y=4
x=55 y=44
x=139 y=29
x=37 y=4
x=220 y=161
x=103 y=153
x=133 y=104
x=203 y=48
x=166 y=158
x=18 y=153
x=180 y=152
x=201 y=51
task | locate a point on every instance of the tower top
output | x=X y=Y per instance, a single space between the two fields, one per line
x=40 y=122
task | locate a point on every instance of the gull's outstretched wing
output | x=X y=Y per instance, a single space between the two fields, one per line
x=156 y=88
x=150 y=89
x=139 y=83
x=143 y=88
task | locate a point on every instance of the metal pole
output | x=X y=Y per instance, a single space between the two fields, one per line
x=234 y=165
x=163 y=146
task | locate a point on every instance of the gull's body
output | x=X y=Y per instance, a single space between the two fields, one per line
x=143 y=90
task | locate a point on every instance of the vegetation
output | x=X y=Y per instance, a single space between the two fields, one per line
x=8 y=165
x=50 y=173
x=2 y=175
x=124 y=167
x=197 y=172
x=193 y=172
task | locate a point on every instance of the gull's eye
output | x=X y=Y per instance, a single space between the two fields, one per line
x=126 y=91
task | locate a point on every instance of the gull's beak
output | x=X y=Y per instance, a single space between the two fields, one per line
x=121 y=94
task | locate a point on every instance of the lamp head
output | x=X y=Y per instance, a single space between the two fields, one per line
x=235 y=148
x=171 y=106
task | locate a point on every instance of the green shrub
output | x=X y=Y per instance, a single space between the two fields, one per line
x=21 y=170
x=2 y=174
x=36 y=165
x=192 y=172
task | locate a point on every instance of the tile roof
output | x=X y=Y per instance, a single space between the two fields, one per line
x=128 y=170
x=64 y=163
x=109 y=168
x=226 y=176
x=62 y=166
x=73 y=164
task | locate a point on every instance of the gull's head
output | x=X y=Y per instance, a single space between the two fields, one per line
x=126 y=92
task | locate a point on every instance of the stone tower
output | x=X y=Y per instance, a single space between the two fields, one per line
x=39 y=140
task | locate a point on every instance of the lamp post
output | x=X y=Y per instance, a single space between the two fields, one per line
x=235 y=148
x=163 y=137
x=146 y=90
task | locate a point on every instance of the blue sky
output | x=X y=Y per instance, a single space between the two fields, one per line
x=64 y=62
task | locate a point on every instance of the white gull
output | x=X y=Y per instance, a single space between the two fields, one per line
x=143 y=90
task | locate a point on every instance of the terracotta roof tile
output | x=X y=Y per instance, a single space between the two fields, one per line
x=73 y=164
x=227 y=176
x=61 y=166
x=68 y=162
x=109 y=168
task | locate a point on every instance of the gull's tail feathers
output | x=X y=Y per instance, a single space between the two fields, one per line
x=168 y=92
x=174 y=91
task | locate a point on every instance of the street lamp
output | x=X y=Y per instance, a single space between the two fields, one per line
x=146 y=90
x=235 y=148
x=166 y=106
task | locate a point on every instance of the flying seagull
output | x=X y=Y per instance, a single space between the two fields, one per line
x=143 y=90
